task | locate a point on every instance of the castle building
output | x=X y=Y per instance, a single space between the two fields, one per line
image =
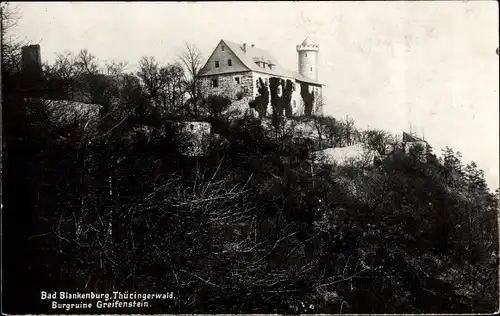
x=244 y=68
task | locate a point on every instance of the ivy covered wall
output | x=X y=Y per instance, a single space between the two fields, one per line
x=261 y=101
x=307 y=97
x=284 y=97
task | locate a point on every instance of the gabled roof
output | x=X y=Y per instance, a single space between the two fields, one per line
x=409 y=138
x=254 y=54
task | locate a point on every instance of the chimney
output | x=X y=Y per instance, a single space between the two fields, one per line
x=245 y=47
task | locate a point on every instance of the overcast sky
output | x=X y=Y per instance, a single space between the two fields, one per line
x=385 y=64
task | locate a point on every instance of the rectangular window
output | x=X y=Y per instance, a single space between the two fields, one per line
x=229 y=62
x=237 y=79
x=215 y=83
x=222 y=47
x=216 y=64
x=311 y=68
x=294 y=104
x=306 y=54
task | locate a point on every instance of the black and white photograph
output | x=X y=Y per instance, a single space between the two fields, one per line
x=253 y=157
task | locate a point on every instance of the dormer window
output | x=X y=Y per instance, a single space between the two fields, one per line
x=216 y=64
x=229 y=62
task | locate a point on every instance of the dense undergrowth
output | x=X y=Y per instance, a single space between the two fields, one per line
x=251 y=228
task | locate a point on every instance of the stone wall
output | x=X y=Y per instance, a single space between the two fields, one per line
x=227 y=85
x=194 y=136
x=296 y=101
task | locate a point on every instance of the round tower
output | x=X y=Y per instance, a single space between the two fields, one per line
x=308 y=59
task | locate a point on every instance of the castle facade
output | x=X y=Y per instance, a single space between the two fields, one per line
x=247 y=69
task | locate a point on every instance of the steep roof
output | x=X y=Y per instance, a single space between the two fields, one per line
x=307 y=41
x=254 y=54
x=411 y=138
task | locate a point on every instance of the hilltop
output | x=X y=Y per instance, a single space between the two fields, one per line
x=253 y=225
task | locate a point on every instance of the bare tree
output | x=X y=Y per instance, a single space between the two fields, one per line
x=149 y=73
x=115 y=67
x=318 y=122
x=80 y=77
x=319 y=105
x=348 y=130
x=10 y=14
x=380 y=141
x=65 y=74
x=88 y=63
x=164 y=84
x=192 y=60
x=172 y=92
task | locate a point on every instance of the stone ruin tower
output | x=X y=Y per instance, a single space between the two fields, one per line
x=31 y=59
x=31 y=63
x=308 y=59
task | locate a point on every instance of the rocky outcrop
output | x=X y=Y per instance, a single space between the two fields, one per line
x=355 y=154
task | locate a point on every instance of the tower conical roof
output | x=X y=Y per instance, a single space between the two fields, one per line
x=307 y=41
